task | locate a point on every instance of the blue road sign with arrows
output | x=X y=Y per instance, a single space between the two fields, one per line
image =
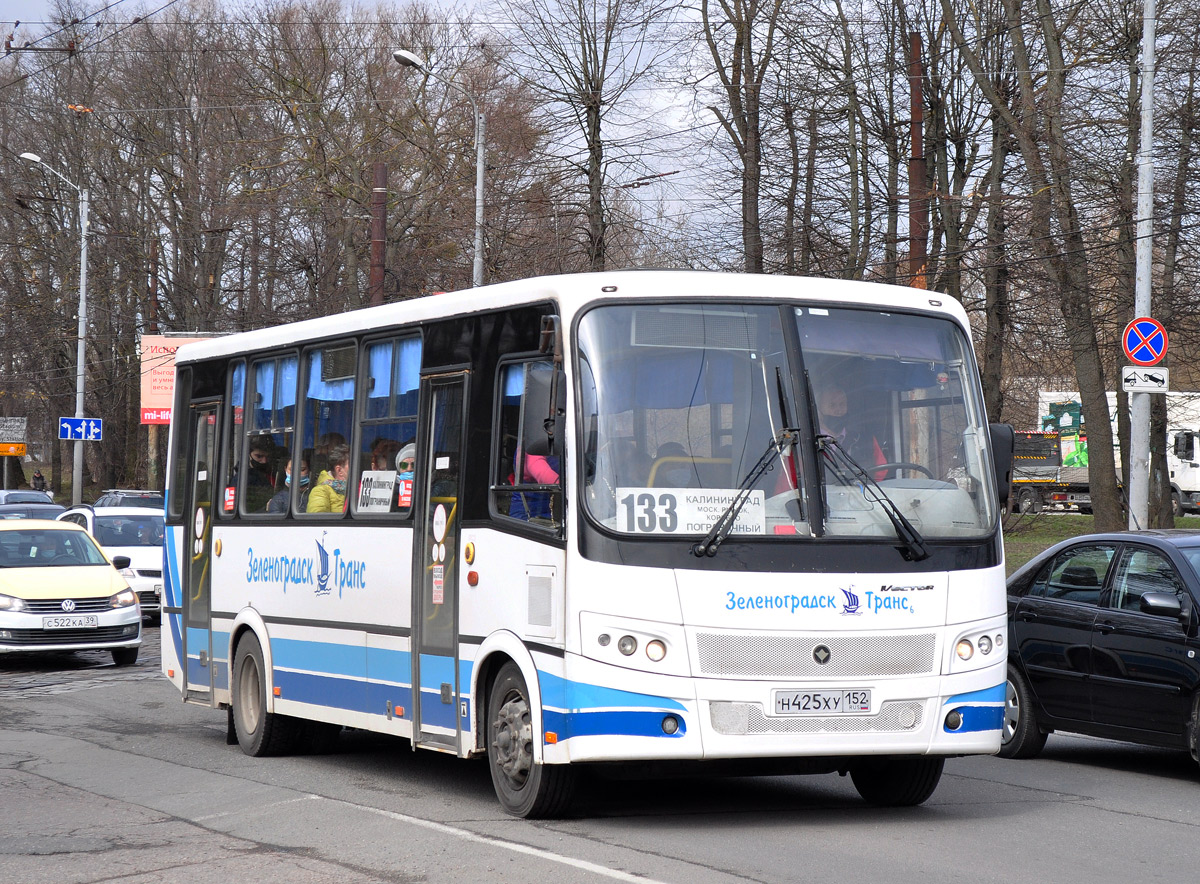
x=86 y=429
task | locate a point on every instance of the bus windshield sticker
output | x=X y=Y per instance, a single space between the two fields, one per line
x=686 y=510
x=375 y=492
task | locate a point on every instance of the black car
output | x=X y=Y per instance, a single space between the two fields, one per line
x=1103 y=640
x=30 y=510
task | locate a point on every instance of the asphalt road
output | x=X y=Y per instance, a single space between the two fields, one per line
x=105 y=775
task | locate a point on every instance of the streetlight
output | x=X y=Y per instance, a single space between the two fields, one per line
x=411 y=60
x=77 y=471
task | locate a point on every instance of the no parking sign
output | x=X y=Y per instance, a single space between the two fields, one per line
x=1145 y=341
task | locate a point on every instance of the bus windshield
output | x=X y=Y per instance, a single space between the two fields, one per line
x=681 y=401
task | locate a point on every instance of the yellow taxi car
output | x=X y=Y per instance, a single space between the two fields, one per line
x=59 y=592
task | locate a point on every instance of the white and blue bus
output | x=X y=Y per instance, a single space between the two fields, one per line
x=740 y=522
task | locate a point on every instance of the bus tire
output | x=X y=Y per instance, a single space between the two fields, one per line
x=897 y=782
x=525 y=788
x=1022 y=738
x=259 y=733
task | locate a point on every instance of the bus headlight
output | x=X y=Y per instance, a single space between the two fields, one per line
x=964 y=649
x=985 y=645
x=627 y=644
x=656 y=650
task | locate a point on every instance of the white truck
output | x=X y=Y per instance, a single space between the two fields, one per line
x=1044 y=478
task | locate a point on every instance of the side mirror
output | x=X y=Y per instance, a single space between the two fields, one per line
x=1003 y=440
x=1161 y=604
x=120 y=562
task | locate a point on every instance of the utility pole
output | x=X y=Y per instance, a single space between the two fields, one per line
x=918 y=200
x=1138 y=481
x=378 y=234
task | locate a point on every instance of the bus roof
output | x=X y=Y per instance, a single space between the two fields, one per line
x=572 y=292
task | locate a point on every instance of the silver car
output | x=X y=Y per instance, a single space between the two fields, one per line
x=137 y=533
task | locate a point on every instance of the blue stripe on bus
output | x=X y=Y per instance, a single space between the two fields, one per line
x=981 y=710
x=623 y=723
x=312 y=656
x=559 y=693
x=438 y=670
x=172 y=595
x=978 y=718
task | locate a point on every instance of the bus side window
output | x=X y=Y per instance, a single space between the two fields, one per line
x=388 y=427
x=328 y=403
x=528 y=465
x=234 y=428
x=269 y=432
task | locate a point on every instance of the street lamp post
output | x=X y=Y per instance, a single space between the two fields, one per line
x=411 y=60
x=77 y=470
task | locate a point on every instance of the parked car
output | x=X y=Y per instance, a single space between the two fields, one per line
x=30 y=510
x=1103 y=640
x=59 y=592
x=132 y=532
x=24 y=495
x=130 y=497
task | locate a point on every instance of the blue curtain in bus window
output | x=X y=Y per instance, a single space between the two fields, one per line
x=275 y=393
x=379 y=379
x=403 y=378
x=336 y=390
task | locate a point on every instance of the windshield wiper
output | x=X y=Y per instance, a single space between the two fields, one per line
x=914 y=544
x=724 y=525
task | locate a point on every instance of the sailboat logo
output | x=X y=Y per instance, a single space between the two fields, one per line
x=851 y=605
x=323 y=567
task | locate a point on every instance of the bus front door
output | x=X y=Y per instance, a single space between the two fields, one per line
x=437 y=720
x=197 y=552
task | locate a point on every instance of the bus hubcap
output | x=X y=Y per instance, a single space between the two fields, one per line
x=513 y=742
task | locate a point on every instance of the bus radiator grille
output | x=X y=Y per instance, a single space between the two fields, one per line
x=739 y=719
x=791 y=656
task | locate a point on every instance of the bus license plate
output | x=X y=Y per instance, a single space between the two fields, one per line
x=823 y=702
x=79 y=621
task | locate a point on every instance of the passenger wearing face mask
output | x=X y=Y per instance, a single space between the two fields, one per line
x=279 y=503
x=260 y=484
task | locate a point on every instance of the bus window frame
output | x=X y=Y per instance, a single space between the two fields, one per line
x=352 y=439
x=393 y=336
x=557 y=530
x=230 y=434
x=275 y=356
x=179 y=438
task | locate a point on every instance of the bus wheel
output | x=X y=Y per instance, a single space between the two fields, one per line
x=897 y=782
x=1022 y=736
x=259 y=732
x=525 y=788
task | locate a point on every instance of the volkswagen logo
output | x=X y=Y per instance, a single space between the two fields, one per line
x=68 y=605
x=821 y=654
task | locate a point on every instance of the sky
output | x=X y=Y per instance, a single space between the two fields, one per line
x=22 y=10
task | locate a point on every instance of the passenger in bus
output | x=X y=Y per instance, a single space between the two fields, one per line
x=406 y=464
x=326 y=442
x=260 y=484
x=330 y=495
x=279 y=503
x=383 y=453
x=532 y=469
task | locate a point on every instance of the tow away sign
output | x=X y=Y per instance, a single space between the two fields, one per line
x=1135 y=379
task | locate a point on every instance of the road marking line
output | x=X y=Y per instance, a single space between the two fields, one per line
x=466 y=835
x=245 y=810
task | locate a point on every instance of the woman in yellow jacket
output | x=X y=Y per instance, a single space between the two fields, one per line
x=330 y=495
